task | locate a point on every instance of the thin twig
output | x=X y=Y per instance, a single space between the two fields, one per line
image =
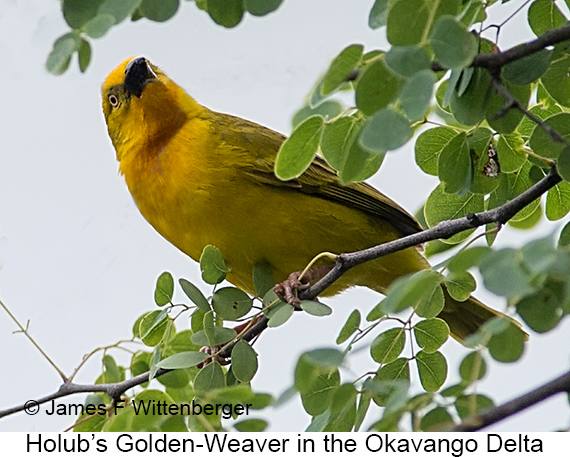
x=498 y=413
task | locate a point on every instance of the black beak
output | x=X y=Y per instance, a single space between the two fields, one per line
x=137 y=75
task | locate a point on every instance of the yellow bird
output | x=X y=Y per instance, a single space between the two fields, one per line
x=200 y=177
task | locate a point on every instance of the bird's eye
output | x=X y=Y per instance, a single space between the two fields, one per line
x=113 y=100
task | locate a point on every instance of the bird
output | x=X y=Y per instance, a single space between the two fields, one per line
x=201 y=177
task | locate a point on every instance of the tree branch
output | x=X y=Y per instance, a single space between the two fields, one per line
x=535 y=396
x=496 y=60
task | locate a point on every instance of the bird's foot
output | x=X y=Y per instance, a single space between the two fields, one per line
x=286 y=290
x=217 y=357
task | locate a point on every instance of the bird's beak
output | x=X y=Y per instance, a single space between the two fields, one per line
x=138 y=74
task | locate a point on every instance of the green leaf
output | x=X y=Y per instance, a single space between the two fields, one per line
x=281 y=315
x=408 y=60
x=231 y=303
x=387 y=346
x=528 y=69
x=555 y=80
x=263 y=278
x=317 y=396
x=507 y=122
x=541 y=111
x=377 y=87
x=455 y=168
x=544 y=15
x=209 y=378
x=315 y=308
x=307 y=372
x=337 y=138
x=472 y=405
x=510 y=153
x=466 y=259
x=410 y=290
x=99 y=25
x=350 y=326
x=60 y=56
x=318 y=423
x=472 y=368
x=453 y=45
x=328 y=109
x=460 y=285
x=432 y=368
x=504 y=274
x=407 y=20
x=219 y=335
x=251 y=425
x=429 y=146
x=396 y=371
x=152 y=327
x=298 y=151
x=360 y=164
x=343 y=409
x=260 y=8
x=162 y=10
x=558 y=201
x=432 y=307
x=212 y=265
x=119 y=9
x=341 y=68
x=324 y=358
x=182 y=360
x=378 y=14
x=164 y=289
x=441 y=206
x=244 y=361
x=470 y=107
x=507 y=346
x=84 y=55
x=542 y=143
x=79 y=12
x=541 y=311
x=435 y=420
x=564 y=163
x=194 y=294
x=362 y=409
x=512 y=185
x=431 y=334
x=416 y=95
x=384 y=131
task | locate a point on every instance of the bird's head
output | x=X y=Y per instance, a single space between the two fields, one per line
x=141 y=104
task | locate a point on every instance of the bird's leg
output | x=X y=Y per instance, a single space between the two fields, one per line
x=286 y=290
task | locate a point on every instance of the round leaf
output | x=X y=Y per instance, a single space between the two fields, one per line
x=431 y=334
x=384 y=131
x=231 y=303
x=432 y=368
x=350 y=326
x=194 y=294
x=209 y=378
x=387 y=346
x=212 y=265
x=473 y=367
x=453 y=45
x=164 y=289
x=298 y=151
x=244 y=361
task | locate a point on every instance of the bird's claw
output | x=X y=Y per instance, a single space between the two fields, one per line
x=286 y=289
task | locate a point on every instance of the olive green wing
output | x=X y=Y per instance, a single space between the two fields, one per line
x=258 y=146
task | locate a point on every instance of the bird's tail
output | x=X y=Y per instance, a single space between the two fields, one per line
x=466 y=318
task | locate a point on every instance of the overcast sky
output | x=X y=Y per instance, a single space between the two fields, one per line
x=80 y=263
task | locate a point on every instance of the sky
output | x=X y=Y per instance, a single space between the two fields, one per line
x=79 y=263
